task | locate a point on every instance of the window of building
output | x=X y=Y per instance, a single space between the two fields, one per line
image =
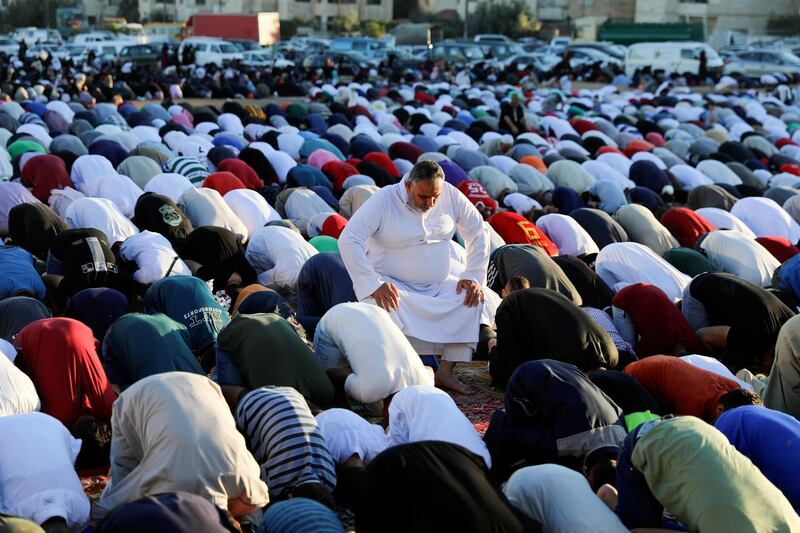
x=199 y=2
x=373 y=2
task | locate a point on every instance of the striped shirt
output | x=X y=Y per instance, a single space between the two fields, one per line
x=300 y=515
x=189 y=167
x=284 y=437
x=604 y=321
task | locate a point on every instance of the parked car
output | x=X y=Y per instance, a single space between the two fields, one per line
x=209 y=50
x=346 y=64
x=590 y=56
x=468 y=53
x=141 y=54
x=8 y=46
x=614 y=50
x=245 y=45
x=539 y=62
x=492 y=38
x=758 y=62
x=265 y=57
x=497 y=50
x=670 y=57
x=363 y=45
x=33 y=35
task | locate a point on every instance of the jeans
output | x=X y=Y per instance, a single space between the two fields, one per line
x=636 y=505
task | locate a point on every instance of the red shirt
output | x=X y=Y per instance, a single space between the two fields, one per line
x=62 y=362
x=516 y=229
x=679 y=387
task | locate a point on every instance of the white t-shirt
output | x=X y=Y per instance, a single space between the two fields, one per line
x=766 y=218
x=724 y=220
x=37 y=473
x=154 y=256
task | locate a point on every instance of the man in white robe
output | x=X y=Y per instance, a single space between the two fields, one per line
x=397 y=251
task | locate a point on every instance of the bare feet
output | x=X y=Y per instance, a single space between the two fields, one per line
x=446 y=380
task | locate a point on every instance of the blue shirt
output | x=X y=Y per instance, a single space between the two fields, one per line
x=771 y=440
x=18 y=274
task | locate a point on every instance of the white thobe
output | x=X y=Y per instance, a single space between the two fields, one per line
x=422 y=413
x=603 y=172
x=388 y=240
x=626 y=263
x=364 y=337
x=282 y=163
x=689 y=177
x=154 y=257
x=740 y=255
x=251 y=208
x=205 y=207
x=37 y=473
x=766 y=218
x=303 y=204
x=722 y=219
x=568 y=235
x=100 y=214
x=719 y=172
x=17 y=393
x=277 y=254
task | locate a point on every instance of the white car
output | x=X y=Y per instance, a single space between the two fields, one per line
x=671 y=57
x=492 y=38
x=540 y=62
x=265 y=58
x=209 y=50
x=9 y=47
x=590 y=56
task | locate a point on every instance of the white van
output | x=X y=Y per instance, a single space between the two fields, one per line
x=35 y=35
x=209 y=50
x=671 y=57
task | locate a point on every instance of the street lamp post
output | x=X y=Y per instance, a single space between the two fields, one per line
x=466 y=19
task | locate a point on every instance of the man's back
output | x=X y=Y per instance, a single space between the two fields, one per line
x=679 y=387
x=770 y=439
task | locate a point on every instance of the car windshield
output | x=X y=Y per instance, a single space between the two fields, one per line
x=227 y=48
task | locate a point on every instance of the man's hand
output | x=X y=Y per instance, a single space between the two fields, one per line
x=387 y=297
x=474 y=294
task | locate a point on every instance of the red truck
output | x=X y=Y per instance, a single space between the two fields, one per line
x=264 y=28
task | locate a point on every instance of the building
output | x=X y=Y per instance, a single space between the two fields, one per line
x=724 y=21
x=180 y=10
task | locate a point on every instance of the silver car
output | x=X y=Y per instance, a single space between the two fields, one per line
x=756 y=63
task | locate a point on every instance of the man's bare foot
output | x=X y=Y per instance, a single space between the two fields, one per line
x=446 y=380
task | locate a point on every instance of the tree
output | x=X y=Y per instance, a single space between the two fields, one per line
x=374 y=29
x=22 y=13
x=350 y=21
x=129 y=9
x=511 y=19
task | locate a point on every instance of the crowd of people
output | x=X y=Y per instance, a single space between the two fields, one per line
x=253 y=318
